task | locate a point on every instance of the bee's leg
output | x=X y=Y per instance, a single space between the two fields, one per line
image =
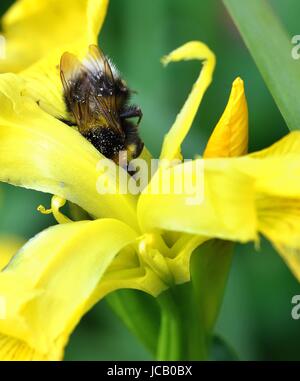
x=132 y=112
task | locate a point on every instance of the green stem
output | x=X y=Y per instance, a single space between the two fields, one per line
x=170 y=337
x=195 y=344
x=181 y=334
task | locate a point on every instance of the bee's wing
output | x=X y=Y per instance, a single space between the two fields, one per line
x=102 y=78
x=71 y=72
x=97 y=63
x=89 y=89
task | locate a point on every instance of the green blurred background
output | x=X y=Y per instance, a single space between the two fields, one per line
x=256 y=314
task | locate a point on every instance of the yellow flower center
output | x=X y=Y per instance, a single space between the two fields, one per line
x=153 y=258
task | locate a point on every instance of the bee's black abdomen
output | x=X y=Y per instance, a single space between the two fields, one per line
x=106 y=141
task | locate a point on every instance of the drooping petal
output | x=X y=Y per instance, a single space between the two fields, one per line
x=279 y=215
x=184 y=120
x=288 y=145
x=230 y=136
x=39 y=152
x=277 y=188
x=50 y=283
x=33 y=29
x=279 y=221
x=210 y=198
x=241 y=198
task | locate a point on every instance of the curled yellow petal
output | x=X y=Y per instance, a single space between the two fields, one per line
x=230 y=136
x=190 y=51
x=51 y=282
x=56 y=203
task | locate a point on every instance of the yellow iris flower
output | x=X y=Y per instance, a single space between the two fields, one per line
x=62 y=272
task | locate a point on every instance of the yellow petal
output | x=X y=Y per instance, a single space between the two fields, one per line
x=279 y=200
x=12 y=349
x=288 y=145
x=230 y=136
x=211 y=198
x=42 y=79
x=275 y=167
x=9 y=245
x=184 y=120
x=49 y=284
x=279 y=221
x=39 y=152
x=48 y=25
x=42 y=83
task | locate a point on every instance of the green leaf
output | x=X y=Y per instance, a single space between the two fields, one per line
x=271 y=48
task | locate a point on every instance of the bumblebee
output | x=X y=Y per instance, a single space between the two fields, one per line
x=97 y=100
